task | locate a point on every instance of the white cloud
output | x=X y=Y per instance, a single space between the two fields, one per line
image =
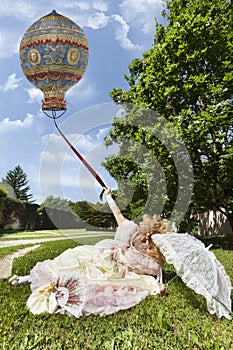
x=84 y=12
x=35 y=95
x=63 y=174
x=8 y=43
x=55 y=143
x=59 y=165
x=94 y=14
x=141 y=13
x=79 y=6
x=49 y=157
x=1 y=40
x=97 y=20
x=18 y=9
x=102 y=132
x=84 y=91
x=84 y=143
x=12 y=83
x=55 y=152
x=100 y=5
x=6 y=124
x=121 y=34
x=14 y=14
x=82 y=5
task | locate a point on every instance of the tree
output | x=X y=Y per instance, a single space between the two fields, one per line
x=96 y=215
x=8 y=189
x=17 y=179
x=57 y=212
x=186 y=77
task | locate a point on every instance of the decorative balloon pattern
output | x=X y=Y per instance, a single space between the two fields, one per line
x=54 y=57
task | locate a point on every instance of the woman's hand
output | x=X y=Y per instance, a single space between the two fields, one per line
x=146 y=237
x=107 y=190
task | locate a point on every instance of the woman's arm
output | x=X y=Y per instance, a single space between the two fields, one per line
x=114 y=208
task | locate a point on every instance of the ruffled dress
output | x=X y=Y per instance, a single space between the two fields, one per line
x=101 y=279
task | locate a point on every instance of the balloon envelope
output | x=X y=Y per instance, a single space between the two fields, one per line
x=54 y=57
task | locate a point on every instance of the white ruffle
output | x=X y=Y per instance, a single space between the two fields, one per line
x=72 y=295
x=42 y=300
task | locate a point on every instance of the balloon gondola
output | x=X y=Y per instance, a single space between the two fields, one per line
x=54 y=57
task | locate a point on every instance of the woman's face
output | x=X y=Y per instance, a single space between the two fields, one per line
x=143 y=227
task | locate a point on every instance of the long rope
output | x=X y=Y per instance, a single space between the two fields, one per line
x=87 y=165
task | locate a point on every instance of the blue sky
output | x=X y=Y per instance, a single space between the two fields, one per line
x=117 y=31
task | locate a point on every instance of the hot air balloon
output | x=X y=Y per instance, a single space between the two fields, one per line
x=54 y=57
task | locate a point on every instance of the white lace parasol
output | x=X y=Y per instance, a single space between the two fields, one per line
x=199 y=269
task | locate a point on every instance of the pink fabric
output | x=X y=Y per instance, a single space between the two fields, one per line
x=104 y=300
x=41 y=275
x=143 y=264
x=125 y=232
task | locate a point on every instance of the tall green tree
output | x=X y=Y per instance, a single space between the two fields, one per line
x=97 y=215
x=57 y=212
x=17 y=179
x=186 y=77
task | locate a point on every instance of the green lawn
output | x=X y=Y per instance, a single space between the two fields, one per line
x=9 y=236
x=178 y=320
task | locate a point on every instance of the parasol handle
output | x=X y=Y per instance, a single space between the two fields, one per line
x=87 y=165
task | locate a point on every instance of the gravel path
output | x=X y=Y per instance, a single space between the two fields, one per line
x=4 y=244
x=7 y=261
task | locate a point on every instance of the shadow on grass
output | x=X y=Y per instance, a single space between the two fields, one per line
x=197 y=301
x=218 y=242
x=174 y=281
x=6 y=232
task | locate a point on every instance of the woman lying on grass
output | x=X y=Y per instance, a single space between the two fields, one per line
x=110 y=276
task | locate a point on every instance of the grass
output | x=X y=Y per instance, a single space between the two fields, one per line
x=12 y=235
x=179 y=320
x=13 y=249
